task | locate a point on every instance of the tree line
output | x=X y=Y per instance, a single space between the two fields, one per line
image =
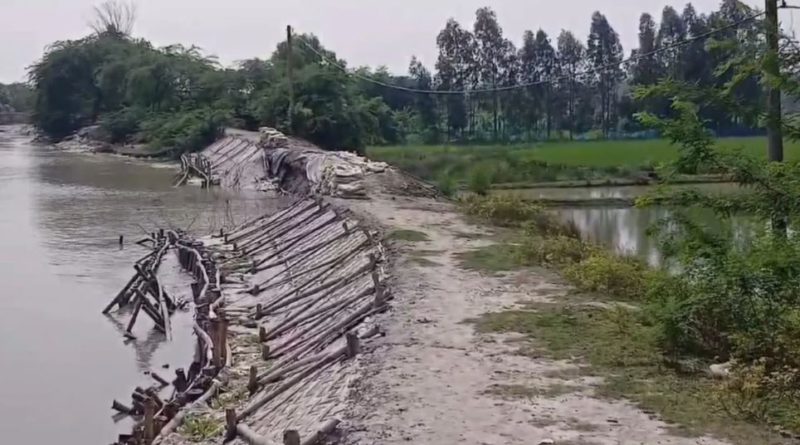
x=177 y=97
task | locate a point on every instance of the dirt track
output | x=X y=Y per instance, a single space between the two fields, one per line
x=427 y=381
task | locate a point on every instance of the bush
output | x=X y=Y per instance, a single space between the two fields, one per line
x=447 y=185
x=621 y=277
x=479 y=181
x=123 y=124
x=185 y=131
x=556 y=250
x=502 y=210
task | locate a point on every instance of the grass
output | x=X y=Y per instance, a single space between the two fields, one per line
x=420 y=257
x=551 y=161
x=491 y=259
x=411 y=236
x=529 y=392
x=199 y=428
x=621 y=347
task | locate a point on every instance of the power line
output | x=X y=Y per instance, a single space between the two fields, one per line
x=593 y=71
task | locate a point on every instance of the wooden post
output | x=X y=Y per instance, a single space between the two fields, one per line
x=216 y=357
x=252 y=384
x=117 y=406
x=262 y=334
x=265 y=352
x=149 y=418
x=223 y=337
x=291 y=437
x=121 y=240
x=230 y=424
x=180 y=381
x=290 y=77
x=353 y=346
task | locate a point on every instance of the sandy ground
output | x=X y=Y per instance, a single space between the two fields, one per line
x=427 y=380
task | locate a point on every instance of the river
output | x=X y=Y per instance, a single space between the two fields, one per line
x=60 y=263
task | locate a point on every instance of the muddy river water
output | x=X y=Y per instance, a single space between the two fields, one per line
x=61 y=215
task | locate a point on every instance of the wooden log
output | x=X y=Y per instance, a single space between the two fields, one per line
x=173 y=424
x=265 y=352
x=120 y=295
x=250 y=436
x=208 y=344
x=255 y=406
x=119 y=407
x=327 y=429
x=161 y=380
x=293 y=321
x=134 y=315
x=276 y=374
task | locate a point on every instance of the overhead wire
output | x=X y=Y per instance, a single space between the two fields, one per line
x=593 y=71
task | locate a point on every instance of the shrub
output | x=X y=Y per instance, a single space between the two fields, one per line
x=123 y=124
x=185 y=131
x=556 y=250
x=621 y=277
x=479 y=181
x=502 y=210
x=447 y=185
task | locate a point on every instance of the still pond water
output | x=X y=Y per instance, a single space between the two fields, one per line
x=61 y=361
x=622 y=228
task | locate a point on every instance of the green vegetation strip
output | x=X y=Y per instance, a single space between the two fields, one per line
x=618 y=321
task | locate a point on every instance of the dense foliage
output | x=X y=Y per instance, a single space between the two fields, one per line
x=16 y=97
x=575 y=88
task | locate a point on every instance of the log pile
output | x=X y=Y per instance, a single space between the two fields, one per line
x=156 y=417
x=284 y=304
x=144 y=291
x=310 y=282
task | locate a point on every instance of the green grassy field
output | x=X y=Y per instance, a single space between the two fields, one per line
x=552 y=161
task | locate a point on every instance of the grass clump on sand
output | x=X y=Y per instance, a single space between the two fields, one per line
x=411 y=236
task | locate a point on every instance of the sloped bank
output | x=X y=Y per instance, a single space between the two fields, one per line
x=301 y=290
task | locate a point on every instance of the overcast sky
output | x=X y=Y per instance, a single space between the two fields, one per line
x=364 y=32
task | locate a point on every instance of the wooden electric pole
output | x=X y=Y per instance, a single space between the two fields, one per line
x=772 y=69
x=290 y=75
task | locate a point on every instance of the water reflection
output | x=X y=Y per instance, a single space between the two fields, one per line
x=624 y=230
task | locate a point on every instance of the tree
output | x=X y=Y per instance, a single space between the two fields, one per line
x=546 y=71
x=491 y=53
x=114 y=18
x=646 y=70
x=425 y=104
x=572 y=61
x=671 y=32
x=696 y=64
x=454 y=70
x=604 y=52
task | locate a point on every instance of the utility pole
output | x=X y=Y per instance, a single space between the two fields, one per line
x=774 y=114
x=290 y=75
x=772 y=69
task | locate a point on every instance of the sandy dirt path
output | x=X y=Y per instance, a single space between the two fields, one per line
x=429 y=380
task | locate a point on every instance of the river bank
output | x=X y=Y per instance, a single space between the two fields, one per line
x=439 y=375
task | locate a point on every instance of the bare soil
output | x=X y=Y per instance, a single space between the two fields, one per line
x=433 y=380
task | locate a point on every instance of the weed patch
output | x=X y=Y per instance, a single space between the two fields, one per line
x=411 y=236
x=621 y=346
